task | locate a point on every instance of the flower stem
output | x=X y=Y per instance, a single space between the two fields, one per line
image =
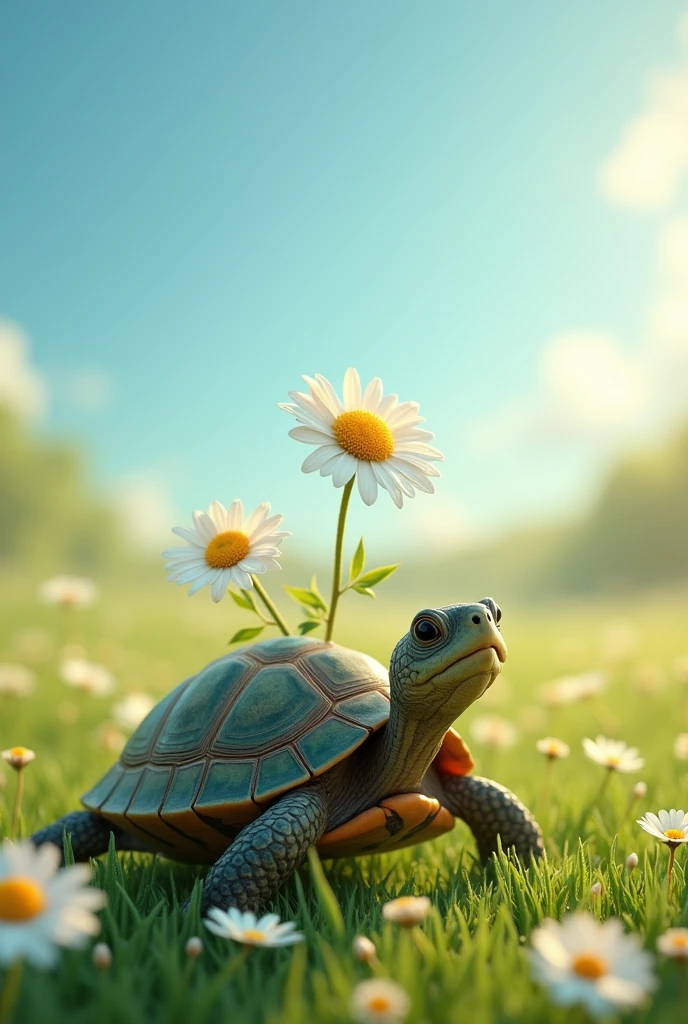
x=670 y=872
x=279 y=621
x=337 y=574
x=17 y=803
x=10 y=991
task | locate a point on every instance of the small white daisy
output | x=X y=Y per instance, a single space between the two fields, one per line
x=225 y=548
x=131 y=711
x=69 y=592
x=87 y=676
x=251 y=931
x=102 y=956
x=407 y=911
x=374 y=437
x=613 y=754
x=494 y=732
x=18 y=757
x=674 y=943
x=364 y=949
x=193 y=947
x=379 y=1001
x=596 y=964
x=670 y=827
x=17 y=680
x=42 y=908
x=553 y=748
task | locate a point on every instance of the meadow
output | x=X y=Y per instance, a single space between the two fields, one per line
x=468 y=960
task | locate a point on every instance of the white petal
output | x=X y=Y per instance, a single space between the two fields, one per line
x=386 y=479
x=329 y=395
x=310 y=436
x=257 y=517
x=385 y=407
x=367 y=484
x=352 y=390
x=316 y=459
x=373 y=395
x=343 y=469
x=265 y=529
x=205 y=526
x=241 y=578
x=235 y=515
x=218 y=513
x=251 y=565
x=190 y=535
x=219 y=587
x=401 y=412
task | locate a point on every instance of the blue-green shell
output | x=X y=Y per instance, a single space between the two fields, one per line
x=248 y=727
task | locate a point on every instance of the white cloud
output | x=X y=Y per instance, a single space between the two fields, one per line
x=22 y=387
x=646 y=167
x=146 y=511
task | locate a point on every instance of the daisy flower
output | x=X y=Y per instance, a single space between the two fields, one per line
x=406 y=911
x=613 y=754
x=493 y=731
x=674 y=943
x=131 y=711
x=68 y=592
x=364 y=949
x=596 y=964
x=42 y=908
x=553 y=748
x=373 y=437
x=224 y=547
x=102 y=956
x=379 y=1001
x=17 y=680
x=86 y=675
x=18 y=757
x=670 y=827
x=251 y=931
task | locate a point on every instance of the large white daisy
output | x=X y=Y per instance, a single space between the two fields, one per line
x=225 y=548
x=374 y=436
x=613 y=754
x=584 y=961
x=42 y=908
x=670 y=827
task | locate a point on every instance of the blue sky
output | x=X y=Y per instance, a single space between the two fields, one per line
x=200 y=203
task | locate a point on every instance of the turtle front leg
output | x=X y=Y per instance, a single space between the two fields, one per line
x=265 y=853
x=491 y=811
x=90 y=835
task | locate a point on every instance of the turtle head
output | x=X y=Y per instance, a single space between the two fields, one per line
x=448 y=658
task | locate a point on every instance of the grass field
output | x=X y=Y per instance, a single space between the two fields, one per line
x=469 y=961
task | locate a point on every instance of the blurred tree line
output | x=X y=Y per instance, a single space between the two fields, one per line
x=48 y=514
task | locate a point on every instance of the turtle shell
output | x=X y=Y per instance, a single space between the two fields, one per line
x=222 y=745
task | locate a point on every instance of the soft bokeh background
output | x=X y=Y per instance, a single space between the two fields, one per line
x=485 y=205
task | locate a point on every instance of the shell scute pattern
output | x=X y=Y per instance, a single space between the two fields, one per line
x=244 y=730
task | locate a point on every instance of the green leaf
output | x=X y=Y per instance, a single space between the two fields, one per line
x=364 y=590
x=244 y=599
x=326 y=897
x=308 y=627
x=246 y=634
x=310 y=598
x=357 y=562
x=374 y=576
x=316 y=591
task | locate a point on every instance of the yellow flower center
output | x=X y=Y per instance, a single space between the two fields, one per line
x=18 y=751
x=364 y=435
x=613 y=760
x=253 y=935
x=380 y=1004
x=588 y=965
x=679 y=941
x=675 y=833
x=226 y=549
x=21 y=899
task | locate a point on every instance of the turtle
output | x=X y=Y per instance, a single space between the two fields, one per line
x=296 y=742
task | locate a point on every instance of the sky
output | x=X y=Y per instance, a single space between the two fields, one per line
x=483 y=204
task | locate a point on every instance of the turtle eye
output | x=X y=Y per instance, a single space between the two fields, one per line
x=426 y=631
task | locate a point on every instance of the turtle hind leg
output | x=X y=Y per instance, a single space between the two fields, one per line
x=492 y=812
x=265 y=853
x=89 y=833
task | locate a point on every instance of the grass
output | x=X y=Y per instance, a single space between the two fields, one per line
x=469 y=962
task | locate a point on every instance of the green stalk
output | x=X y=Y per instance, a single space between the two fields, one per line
x=17 y=803
x=337 y=574
x=279 y=621
x=10 y=991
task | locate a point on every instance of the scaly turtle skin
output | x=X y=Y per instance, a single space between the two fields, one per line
x=296 y=742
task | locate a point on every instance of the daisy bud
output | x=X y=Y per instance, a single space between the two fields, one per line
x=596 y=889
x=407 y=911
x=102 y=956
x=193 y=947
x=631 y=862
x=18 y=757
x=639 y=790
x=363 y=949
